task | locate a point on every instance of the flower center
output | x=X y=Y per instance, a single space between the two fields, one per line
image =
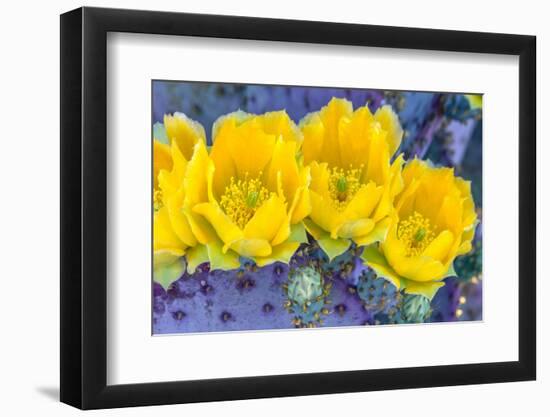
x=242 y=198
x=416 y=233
x=157 y=200
x=343 y=184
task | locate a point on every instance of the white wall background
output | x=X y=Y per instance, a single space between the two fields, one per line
x=29 y=209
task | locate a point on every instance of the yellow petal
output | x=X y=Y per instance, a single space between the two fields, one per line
x=392 y=248
x=166 y=273
x=195 y=181
x=475 y=100
x=319 y=178
x=378 y=234
x=172 y=181
x=469 y=214
x=376 y=260
x=439 y=248
x=352 y=228
x=219 y=259
x=278 y=123
x=178 y=220
x=301 y=205
x=420 y=269
x=221 y=156
x=280 y=253
x=314 y=136
x=390 y=123
x=397 y=183
x=331 y=115
x=184 y=132
x=427 y=289
x=466 y=241
x=251 y=248
x=225 y=228
x=323 y=213
x=313 y=229
x=354 y=137
x=450 y=214
x=284 y=162
x=251 y=148
x=162 y=160
x=363 y=202
x=378 y=166
x=200 y=227
x=267 y=220
x=196 y=256
x=414 y=170
x=164 y=237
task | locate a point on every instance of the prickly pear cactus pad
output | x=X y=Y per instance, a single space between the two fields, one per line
x=279 y=207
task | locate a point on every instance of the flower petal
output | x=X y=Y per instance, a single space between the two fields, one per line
x=251 y=148
x=323 y=213
x=439 y=248
x=280 y=124
x=195 y=182
x=281 y=253
x=164 y=237
x=378 y=234
x=195 y=256
x=225 y=228
x=184 y=132
x=354 y=135
x=378 y=166
x=166 y=256
x=167 y=273
x=313 y=229
x=284 y=162
x=221 y=156
x=250 y=248
x=427 y=289
x=363 y=202
x=352 y=228
x=376 y=260
x=180 y=225
x=331 y=115
x=268 y=220
x=200 y=228
x=162 y=160
x=219 y=259
x=390 y=123
x=314 y=136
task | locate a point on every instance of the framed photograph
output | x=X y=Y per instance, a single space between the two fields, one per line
x=257 y=208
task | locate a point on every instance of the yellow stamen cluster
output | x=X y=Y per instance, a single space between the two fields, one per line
x=157 y=200
x=343 y=184
x=242 y=198
x=416 y=233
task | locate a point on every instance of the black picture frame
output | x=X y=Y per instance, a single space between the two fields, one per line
x=84 y=207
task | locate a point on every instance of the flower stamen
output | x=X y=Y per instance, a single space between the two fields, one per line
x=416 y=233
x=242 y=197
x=343 y=184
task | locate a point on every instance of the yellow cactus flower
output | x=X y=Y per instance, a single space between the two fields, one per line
x=353 y=182
x=257 y=191
x=162 y=159
x=176 y=230
x=475 y=100
x=434 y=222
